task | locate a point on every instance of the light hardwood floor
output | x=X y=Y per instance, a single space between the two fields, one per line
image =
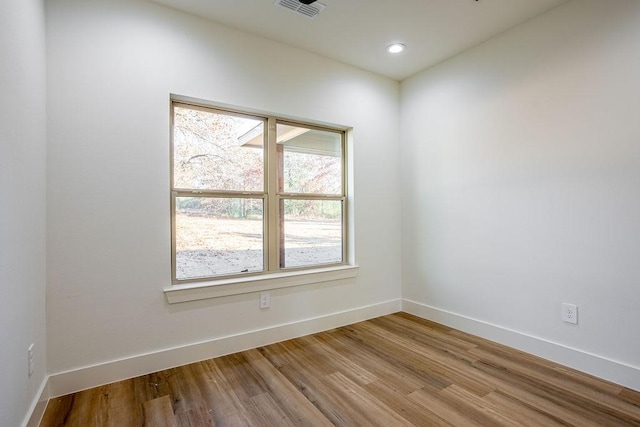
x=391 y=371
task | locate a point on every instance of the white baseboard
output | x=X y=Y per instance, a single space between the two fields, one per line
x=39 y=404
x=601 y=367
x=72 y=381
x=62 y=383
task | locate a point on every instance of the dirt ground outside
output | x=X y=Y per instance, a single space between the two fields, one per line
x=208 y=247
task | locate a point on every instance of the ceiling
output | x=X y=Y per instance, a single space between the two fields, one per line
x=357 y=32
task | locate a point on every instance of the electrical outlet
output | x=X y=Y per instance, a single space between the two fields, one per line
x=265 y=300
x=570 y=313
x=30 y=357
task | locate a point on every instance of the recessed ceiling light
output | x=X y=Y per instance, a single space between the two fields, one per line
x=396 y=48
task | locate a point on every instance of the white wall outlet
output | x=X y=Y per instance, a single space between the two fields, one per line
x=265 y=300
x=30 y=358
x=570 y=313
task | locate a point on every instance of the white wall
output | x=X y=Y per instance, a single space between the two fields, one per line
x=112 y=66
x=22 y=205
x=521 y=171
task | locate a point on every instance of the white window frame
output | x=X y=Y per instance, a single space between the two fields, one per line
x=272 y=277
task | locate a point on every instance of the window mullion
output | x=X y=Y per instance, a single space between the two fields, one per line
x=272 y=241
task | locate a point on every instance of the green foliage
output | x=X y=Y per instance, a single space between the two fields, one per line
x=220 y=207
x=312 y=209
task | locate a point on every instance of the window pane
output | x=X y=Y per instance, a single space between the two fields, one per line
x=310 y=160
x=214 y=151
x=217 y=236
x=311 y=232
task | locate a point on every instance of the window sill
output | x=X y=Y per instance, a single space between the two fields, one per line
x=223 y=288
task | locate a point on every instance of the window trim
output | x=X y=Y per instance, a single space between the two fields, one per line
x=294 y=276
x=258 y=283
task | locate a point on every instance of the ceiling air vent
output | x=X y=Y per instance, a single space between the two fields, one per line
x=307 y=10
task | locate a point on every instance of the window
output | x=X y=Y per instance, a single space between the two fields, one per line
x=253 y=195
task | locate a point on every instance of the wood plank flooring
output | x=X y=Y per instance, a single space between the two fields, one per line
x=396 y=370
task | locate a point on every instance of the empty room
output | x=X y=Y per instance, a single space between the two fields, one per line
x=331 y=212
